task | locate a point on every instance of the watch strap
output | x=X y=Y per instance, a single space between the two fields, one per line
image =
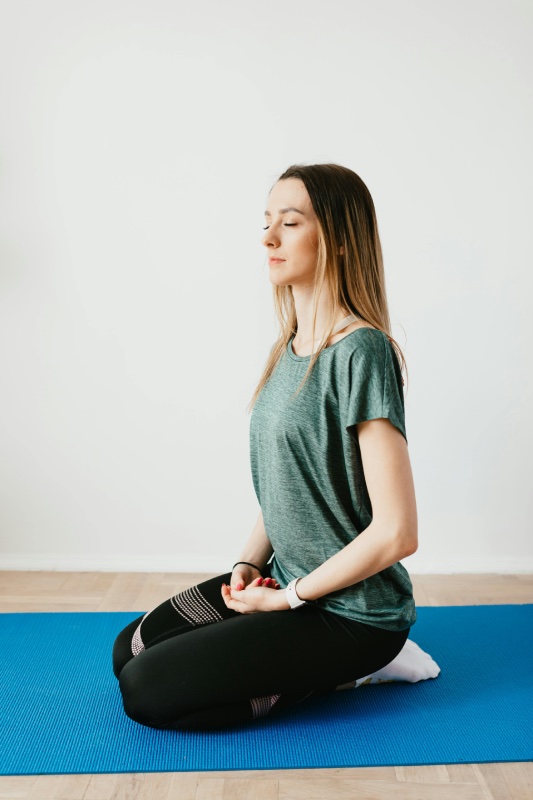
x=292 y=597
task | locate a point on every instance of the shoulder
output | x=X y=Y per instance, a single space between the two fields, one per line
x=364 y=343
x=370 y=351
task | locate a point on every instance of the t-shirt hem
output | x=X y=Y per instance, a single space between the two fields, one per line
x=366 y=621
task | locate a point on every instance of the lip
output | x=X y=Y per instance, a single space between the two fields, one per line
x=275 y=260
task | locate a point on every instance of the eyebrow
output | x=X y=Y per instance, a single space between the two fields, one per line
x=284 y=211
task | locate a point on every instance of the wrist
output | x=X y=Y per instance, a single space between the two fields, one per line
x=252 y=565
x=291 y=592
x=301 y=591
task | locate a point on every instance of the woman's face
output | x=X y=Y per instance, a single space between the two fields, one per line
x=291 y=234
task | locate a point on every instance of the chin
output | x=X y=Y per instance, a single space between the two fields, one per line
x=279 y=280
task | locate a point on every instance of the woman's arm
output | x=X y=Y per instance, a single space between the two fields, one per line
x=257 y=549
x=393 y=532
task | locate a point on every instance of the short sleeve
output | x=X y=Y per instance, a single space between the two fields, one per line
x=374 y=382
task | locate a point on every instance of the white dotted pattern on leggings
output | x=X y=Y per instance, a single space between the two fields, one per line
x=262 y=705
x=137 y=645
x=192 y=605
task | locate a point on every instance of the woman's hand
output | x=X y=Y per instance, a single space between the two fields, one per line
x=255 y=597
x=244 y=574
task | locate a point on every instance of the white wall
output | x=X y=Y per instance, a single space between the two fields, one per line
x=138 y=142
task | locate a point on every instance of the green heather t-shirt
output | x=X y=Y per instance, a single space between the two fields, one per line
x=308 y=474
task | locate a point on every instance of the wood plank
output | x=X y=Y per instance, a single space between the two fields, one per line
x=351 y=789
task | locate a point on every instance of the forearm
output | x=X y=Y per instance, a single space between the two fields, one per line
x=258 y=548
x=370 y=552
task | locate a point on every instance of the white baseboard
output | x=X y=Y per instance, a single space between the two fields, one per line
x=116 y=563
x=220 y=563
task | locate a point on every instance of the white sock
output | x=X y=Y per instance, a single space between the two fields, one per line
x=411 y=664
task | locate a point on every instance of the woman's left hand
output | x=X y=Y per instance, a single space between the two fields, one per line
x=255 y=597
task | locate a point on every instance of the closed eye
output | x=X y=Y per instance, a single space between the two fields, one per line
x=288 y=225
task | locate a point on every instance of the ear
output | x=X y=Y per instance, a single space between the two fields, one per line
x=341 y=251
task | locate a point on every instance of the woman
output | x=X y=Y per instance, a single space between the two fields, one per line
x=332 y=475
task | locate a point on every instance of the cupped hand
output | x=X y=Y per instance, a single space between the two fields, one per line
x=255 y=597
x=240 y=583
x=243 y=575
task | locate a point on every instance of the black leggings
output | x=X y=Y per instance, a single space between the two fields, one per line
x=195 y=664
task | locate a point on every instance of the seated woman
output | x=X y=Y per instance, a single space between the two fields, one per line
x=331 y=471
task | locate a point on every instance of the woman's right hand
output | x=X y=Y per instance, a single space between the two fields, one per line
x=243 y=575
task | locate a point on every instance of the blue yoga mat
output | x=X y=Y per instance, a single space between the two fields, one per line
x=61 y=710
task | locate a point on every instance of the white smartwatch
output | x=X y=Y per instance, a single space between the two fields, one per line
x=292 y=597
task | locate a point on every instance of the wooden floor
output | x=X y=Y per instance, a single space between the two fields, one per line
x=105 y=591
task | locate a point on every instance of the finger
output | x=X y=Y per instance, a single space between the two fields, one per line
x=234 y=595
x=235 y=604
x=226 y=591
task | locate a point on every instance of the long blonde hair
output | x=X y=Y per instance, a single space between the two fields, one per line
x=355 y=280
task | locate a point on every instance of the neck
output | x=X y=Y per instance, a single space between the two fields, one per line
x=303 y=302
x=300 y=340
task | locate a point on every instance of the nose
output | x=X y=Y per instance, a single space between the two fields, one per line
x=270 y=239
